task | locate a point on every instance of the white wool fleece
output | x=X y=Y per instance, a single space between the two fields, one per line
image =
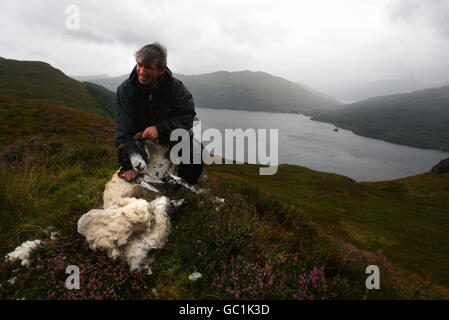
x=115 y=189
x=22 y=252
x=128 y=229
x=154 y=237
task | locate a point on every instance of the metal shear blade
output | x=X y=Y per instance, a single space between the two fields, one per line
x=148 y=186
x=150 y=179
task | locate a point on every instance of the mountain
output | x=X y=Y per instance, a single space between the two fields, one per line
x=253 y=91
x=440 y=84
x=245 y=90
x=104 y=97
x=352 y=90
x=39 y=81
x=88 y=78
x=110 y=83
x=418 y=119
x=317 y=92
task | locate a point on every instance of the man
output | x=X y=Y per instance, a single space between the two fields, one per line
x=153 y=101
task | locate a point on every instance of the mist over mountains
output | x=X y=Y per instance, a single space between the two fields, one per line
x=353 y=90
x=110 y=83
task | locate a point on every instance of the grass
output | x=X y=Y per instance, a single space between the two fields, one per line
x=266 y=241
x=21 y=119
x=408 y=219
x=251 y=246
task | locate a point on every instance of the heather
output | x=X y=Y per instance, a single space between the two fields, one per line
x=408 y=218
x=257 y=244
x=249 y=247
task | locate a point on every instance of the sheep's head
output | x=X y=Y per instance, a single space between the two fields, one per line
x=134 y=154
x=145 y=156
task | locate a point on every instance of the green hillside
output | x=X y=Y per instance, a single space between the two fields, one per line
x=21 y=119
x=418 y=119
x=407 y=219
x=268 y=240
x=41 y=82
x=104 y=97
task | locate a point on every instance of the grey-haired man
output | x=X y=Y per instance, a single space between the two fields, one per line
x=153 y=101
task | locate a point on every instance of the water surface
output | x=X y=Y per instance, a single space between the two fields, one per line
x=317 y=146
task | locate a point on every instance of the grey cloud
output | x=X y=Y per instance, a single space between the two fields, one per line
x=297 y=40
x=433 y=13
x=100 y=22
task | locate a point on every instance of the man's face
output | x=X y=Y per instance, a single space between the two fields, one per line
x=148 y=72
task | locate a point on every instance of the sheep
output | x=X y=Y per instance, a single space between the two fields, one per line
x=132 y=222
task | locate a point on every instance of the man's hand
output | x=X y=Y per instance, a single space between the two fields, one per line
x=128 y=175
x=151 y=133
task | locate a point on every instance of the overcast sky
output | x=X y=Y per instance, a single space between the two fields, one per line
x=308 y=41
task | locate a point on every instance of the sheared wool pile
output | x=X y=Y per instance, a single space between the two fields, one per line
x=129 y=229
x=22 y=252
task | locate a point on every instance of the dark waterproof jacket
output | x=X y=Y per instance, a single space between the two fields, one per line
x=168 y=106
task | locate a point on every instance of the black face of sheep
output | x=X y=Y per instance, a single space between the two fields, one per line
x=141 y=156
x=134 y=149
x=145 y=157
